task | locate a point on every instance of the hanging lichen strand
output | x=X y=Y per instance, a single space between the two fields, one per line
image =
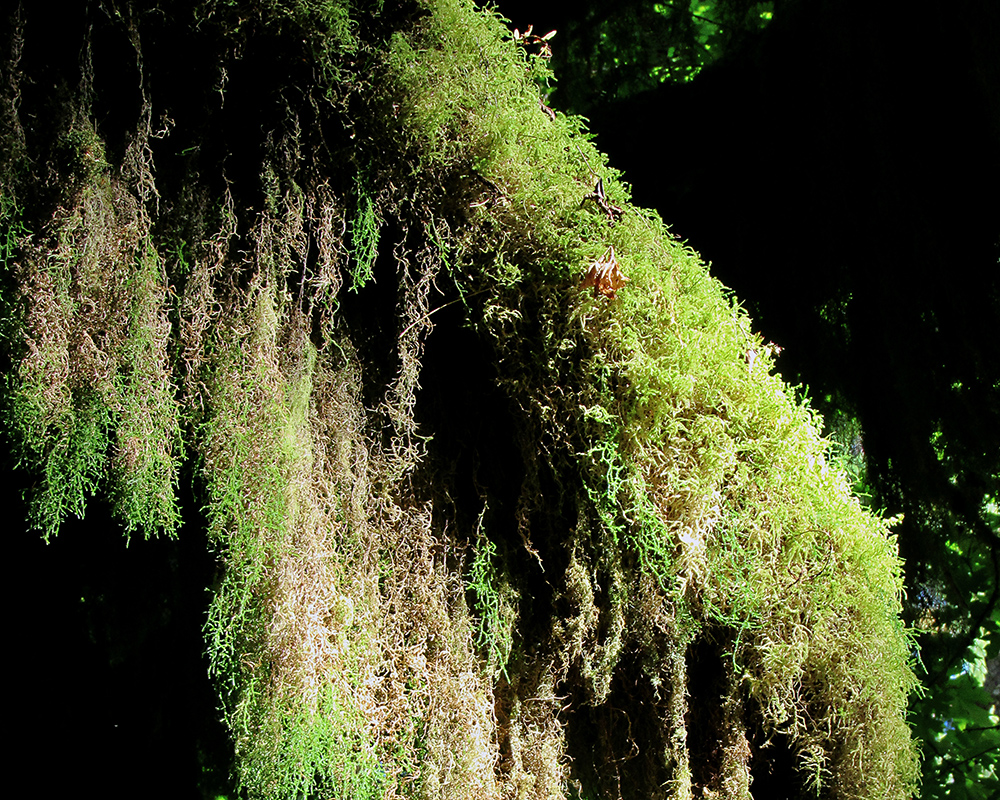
x=507 y=501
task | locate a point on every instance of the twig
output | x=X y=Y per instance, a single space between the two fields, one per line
x=427 y=316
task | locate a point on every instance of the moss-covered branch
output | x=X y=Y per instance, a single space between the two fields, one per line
x=481 y=532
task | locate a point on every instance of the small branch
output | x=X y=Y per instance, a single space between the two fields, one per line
x=718 y=25
x=427 y=316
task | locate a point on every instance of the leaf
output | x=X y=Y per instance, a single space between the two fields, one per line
x=605 y=276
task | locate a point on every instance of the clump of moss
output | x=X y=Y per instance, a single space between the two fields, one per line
x=93 y=399
x=696 y=461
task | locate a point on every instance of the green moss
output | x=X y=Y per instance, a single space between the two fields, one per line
x=92 y=400
x=692 y=451
x=365 y=229
x=383 y=623
x=67 y=449
x=495 y=604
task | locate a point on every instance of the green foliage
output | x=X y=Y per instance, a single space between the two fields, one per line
x=955 y=716
x=13 y=235
x=148 y=445
x=957 y=722
x=953 y=606
x=615 y=50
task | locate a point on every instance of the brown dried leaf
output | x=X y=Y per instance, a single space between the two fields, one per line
x=605 y=276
